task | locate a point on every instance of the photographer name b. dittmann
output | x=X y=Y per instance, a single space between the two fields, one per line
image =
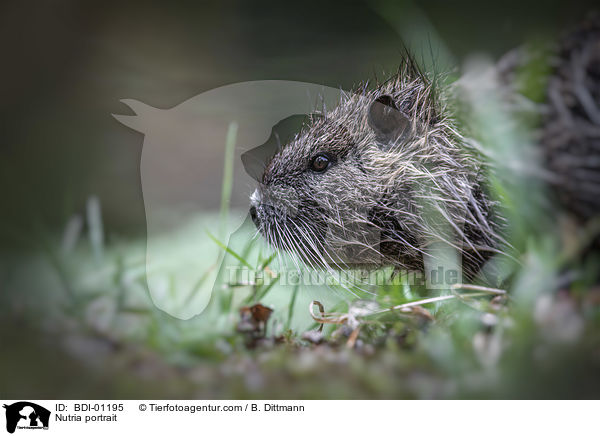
x=282 y=408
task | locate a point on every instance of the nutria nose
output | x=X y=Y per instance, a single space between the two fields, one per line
x=254 y=216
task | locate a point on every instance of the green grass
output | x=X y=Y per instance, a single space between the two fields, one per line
x=473 y=347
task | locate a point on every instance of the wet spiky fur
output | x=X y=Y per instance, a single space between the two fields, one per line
x=379 y=203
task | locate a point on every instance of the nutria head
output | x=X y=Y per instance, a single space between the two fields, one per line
x=375 y=182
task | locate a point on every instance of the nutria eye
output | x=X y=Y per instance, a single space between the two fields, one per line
x=320 y=162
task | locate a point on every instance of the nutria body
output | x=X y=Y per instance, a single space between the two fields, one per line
x=379 y=181
x=570 y=139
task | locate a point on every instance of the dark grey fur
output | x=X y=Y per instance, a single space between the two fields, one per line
x=401 y=179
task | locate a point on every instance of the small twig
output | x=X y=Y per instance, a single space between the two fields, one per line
x=330 y=318
x=353 y=337
x=415 y=303
x=468 y=287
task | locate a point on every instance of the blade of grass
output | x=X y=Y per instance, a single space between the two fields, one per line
x=197 y=286
x=227 y=184
x=229 y=250
x=267 y=261
x=96 y=231
x=288 y=322
x=260 y=295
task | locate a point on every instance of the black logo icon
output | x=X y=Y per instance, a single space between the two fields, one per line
x=26 y=415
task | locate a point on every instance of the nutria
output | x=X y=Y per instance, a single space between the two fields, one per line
x=384 y=176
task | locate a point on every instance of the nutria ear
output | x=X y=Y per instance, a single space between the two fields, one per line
x=391 y=126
